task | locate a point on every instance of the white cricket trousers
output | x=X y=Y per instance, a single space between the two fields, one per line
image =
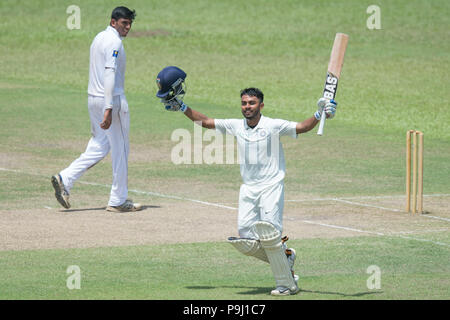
x=260 y=203
x=115 y=139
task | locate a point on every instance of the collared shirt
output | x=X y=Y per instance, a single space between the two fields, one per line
x=261 y=154
x=106 y=52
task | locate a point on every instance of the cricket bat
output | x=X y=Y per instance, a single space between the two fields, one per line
x=334 y=72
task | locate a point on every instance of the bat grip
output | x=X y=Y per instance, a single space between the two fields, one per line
x=322 y=123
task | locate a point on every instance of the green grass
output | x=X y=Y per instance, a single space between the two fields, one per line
x=329 y=269
x=394 y=79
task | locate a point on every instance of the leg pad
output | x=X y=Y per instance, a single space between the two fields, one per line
x=270 y=239
x=249 y=247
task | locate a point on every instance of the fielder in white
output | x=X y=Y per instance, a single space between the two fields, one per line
x=262 y=164
x=109 y=115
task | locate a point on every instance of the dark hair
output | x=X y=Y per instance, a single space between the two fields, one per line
x=123 y=12
x=253 y=92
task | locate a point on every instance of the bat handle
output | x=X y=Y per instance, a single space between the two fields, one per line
x=322 y=123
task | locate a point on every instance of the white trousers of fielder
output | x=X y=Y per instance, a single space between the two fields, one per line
x=115 y=139
x=260 y=203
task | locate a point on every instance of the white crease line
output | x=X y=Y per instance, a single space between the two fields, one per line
x=425 y=240
x=395 y=196
x=156 y=194
x=367 y=205
x=434 y=217
x=233 y=208
x=365 y=197
x=344 y=228
x=135 y=191
x=376 y=233
x=185 y=199
x=418 y=231
x=310 y=200
x=373 y=206
x=343 y=199
x=348 y=202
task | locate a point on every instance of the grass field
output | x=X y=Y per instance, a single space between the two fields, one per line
x=344 y=191
x=213 y=271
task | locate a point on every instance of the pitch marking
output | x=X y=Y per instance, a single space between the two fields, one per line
x=233 y=208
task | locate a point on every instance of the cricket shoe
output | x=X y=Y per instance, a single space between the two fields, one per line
x=290 y=255
x=61 y=193
x=127 y=206
x=283 y=291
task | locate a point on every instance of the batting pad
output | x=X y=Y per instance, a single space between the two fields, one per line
x=270 y=239
x=249 y=247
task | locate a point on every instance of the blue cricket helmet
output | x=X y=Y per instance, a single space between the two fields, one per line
x=170 y=82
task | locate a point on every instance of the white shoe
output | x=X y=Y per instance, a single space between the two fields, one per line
x=127 y=206
x=283 y=291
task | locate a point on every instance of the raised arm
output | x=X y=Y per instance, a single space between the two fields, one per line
x=177 y=104
x=199 y=117
x=327 y=106
x=306 y=125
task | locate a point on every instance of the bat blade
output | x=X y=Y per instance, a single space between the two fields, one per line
x=334 y=72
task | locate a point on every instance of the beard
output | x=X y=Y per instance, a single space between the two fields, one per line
x=250 y=114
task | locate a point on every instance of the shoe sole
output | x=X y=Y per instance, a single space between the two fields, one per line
x=112 y=209
x=58 y=195
x=285 y=293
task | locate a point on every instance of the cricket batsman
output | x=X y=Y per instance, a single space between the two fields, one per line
x=262 y=166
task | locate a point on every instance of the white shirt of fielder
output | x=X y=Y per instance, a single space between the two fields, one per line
x=106 y=51
x=106 y=79
x=262 y=167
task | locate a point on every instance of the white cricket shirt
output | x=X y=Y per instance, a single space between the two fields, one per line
x=261 y=154
x=106 y=52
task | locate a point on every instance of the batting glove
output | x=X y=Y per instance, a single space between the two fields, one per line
x=174 y=104
x=329 y=106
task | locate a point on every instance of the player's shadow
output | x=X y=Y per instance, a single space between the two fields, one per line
x=358 y=294
x=266 y=290
x=254 y=290
x=85 y=209
x=104 y=209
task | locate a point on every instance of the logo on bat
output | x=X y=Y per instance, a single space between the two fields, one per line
x=330 y=86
